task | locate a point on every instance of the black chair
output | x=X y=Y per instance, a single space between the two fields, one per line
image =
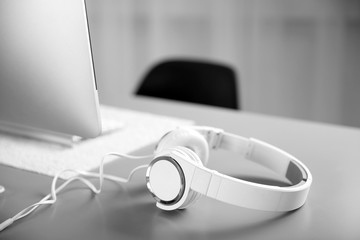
x=192 y=81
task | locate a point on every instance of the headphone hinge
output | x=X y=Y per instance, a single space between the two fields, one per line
x=214 y=137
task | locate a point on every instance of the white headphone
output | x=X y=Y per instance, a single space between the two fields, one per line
x=176 y=177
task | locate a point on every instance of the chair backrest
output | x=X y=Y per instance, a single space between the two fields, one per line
x=192 y=81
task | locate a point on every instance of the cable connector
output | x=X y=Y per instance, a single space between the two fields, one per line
x=6 y=223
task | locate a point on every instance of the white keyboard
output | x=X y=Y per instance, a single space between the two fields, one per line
x=137 y=130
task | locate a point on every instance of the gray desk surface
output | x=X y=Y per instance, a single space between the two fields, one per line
x=128 y=212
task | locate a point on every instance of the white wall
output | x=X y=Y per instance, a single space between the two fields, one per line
x=294 y=58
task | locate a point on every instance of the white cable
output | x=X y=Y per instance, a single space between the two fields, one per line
x=52 y=197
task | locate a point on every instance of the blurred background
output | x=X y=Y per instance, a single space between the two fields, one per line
x=297 y=59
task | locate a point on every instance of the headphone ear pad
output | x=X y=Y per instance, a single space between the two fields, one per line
x=188 y=138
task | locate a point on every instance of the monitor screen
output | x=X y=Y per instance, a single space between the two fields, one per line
x=47 y=78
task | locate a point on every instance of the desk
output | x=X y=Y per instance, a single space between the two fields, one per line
x=332 y=211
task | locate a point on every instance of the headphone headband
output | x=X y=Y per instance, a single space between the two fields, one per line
x=253 y=195
x=257 y=151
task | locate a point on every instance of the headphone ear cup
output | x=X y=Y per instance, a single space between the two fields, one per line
x=188 y=138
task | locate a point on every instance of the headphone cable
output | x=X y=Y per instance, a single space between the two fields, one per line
x=52 y=196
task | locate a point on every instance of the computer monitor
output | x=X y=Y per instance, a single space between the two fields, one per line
x=47 y=79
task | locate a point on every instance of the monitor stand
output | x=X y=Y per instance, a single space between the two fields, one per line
x=39 y=134
x=109 y=125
